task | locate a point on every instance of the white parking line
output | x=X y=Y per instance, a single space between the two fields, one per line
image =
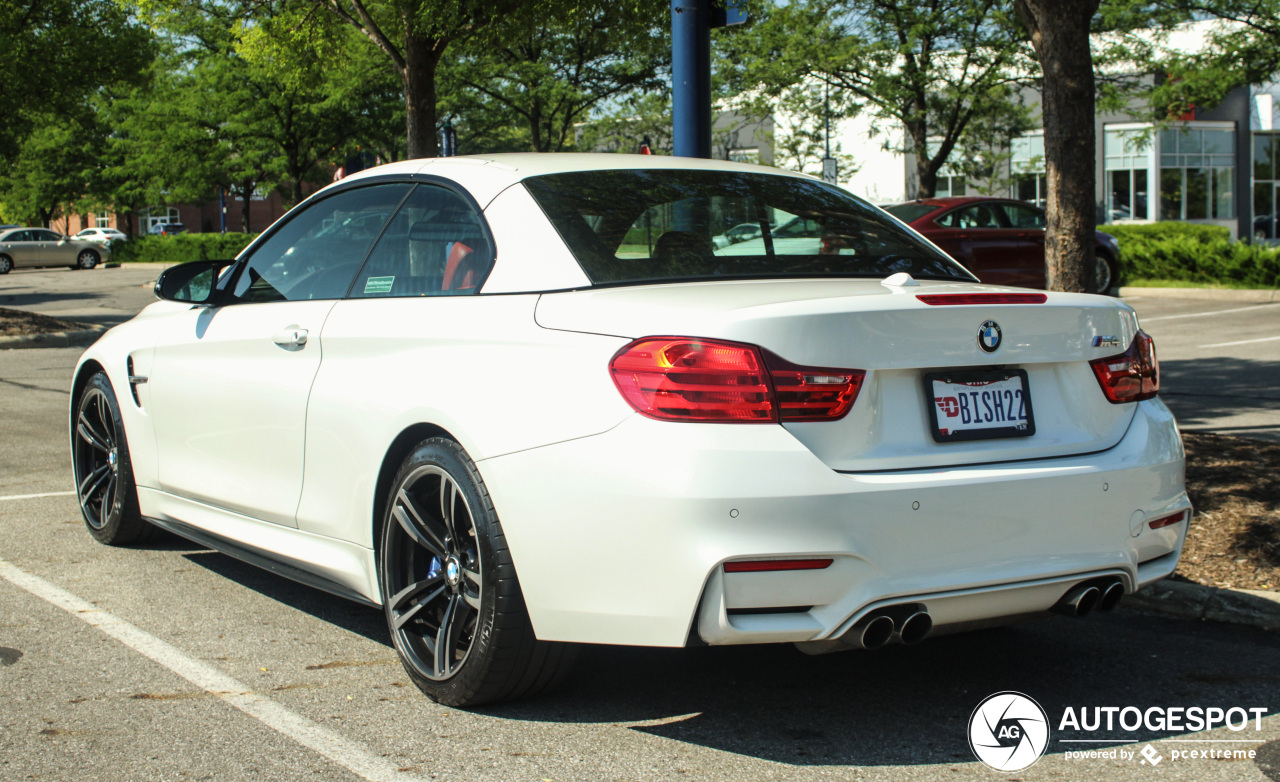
x=1207 y=314
x=1241 y=342
x=340 y=750
x=35 y=496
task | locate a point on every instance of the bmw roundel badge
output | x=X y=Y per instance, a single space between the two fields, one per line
x=989 y=336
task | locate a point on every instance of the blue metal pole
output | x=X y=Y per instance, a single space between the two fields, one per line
x=691 y=77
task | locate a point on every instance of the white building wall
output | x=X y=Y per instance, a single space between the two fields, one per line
x=881 y=178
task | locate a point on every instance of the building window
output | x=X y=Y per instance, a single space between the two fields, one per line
x=949 y=185
x=1197 y=173
x=1127 y=158
x=102 y=219
x=159 y=215
x=1266 y=183
x=1026 y=164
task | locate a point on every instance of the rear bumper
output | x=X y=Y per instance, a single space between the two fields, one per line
x=621 y=537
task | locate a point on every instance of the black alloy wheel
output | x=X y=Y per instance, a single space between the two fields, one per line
x=1104 y=273
x=104 y=475
x=450 y=594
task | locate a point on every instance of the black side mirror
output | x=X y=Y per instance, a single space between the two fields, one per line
x=191 y=283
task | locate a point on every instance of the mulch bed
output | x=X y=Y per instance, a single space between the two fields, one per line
x=18 y=323
x=1234 y=540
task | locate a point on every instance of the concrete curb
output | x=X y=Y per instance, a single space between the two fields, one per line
x=1197 y=601
x=55 y=339
x=1212 y=294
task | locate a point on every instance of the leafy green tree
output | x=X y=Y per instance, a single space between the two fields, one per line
x=942 y=69
x=550 y=75
x=56 y=54
x=1244 y=50
x=51 y=168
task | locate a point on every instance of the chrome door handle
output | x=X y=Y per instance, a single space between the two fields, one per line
x=291 y=337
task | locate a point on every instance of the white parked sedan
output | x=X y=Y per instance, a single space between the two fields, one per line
x=99 y=235
x=522 y=400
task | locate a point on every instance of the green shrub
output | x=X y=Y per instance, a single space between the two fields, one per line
x=1193 y=253
x=180 y=248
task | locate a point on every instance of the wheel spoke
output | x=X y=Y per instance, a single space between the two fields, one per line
x=413 y=524
x=446 y=638
x=402 y=619
x=399 y=599
x=469 y=593
x=448 y=504
x=107 y=496
x=89 y=486
x=91 y=435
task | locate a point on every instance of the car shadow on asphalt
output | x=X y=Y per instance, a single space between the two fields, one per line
x=911 y=705
x=360 y=619
x=894 y=706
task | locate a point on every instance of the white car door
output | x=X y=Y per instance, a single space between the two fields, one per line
x=229 y=382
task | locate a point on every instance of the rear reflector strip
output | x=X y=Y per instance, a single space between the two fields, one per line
x=769 y=565
x=936 y=299
x=1166 y=521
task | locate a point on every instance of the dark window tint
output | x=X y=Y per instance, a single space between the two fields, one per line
x=1022 y=216
x=45 y=236
x=975 y=216
x=435 y=245
x=908 y=212
x=644 y=225
x=317 y=253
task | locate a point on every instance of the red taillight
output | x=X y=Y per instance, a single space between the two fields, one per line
x=937 y=299
x=811 y=393
x=1133 y=375
x=685 y=379
x=773 y=565
x=1168 y=521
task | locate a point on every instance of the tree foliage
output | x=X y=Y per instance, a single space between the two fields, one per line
x=546 y=77
x=942 y=69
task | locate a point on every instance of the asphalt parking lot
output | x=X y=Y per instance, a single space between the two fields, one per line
x=169 y=662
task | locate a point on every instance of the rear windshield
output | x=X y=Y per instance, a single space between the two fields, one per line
x=912 y=211
x=646 y=225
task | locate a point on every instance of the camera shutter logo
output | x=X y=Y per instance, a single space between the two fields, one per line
x=1008 y=731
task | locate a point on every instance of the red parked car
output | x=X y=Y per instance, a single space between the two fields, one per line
x=998 y=239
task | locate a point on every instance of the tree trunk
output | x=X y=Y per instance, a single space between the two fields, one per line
x=421 y=56
x=1059 y=31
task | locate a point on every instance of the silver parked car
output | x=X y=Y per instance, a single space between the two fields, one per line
x=28 y=247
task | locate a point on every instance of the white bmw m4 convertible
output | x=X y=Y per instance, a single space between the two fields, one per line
x=526 y=401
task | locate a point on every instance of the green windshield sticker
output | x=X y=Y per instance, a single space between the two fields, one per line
x=378 y=284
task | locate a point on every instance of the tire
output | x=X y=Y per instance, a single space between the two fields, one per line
x=6 y=264
x=1104 y=275
x=87 y=259
x=104 y=474
x=448 y=583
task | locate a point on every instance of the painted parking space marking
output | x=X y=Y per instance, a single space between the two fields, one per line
x=1207 y=314
x=37 y=496
x=1241 y=342
x=339 y=749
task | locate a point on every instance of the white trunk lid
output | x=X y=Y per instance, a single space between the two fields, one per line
x=897 y=339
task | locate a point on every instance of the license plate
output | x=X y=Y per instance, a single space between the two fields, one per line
x=979 y=405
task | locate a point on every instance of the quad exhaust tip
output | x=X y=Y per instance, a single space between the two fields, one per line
x=905 y=624
x=1083 y=599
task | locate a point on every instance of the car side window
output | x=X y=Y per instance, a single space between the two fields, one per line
x=45 y=236
x=1021 y=216
x=316 y=253
x=436 y=245
x=974 y=216
x=19 y=236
